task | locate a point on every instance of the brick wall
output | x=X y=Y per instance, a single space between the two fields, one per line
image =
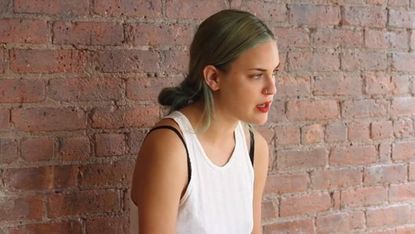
x=78 y=87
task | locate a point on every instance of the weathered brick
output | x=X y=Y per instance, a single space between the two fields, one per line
x=286 y=183
x=3 y=59
x=332 y=38
x=367 y=108
x=366 y=196
x=277 y=112
x=264 y=10
x=377 y=83
x=41 y=178
x=292 y=37
x=74 y=148
x=373 y=16
x=359 y=131
x=385 y=174
x=383 y=39
x=336 y=132
x=302 y=159
x=19 y=91
x=403 y=127
x=413 y=39
x=131 y=60
x=398 y=3
x=293 y=86
x=324 y=60
x=174 y=61
x=403 y=151
x=188 y=9
x=88 y=33
x=305 y=204
x=29 y=31
x=386 y=216
x=403 y=61
x=4 y=119
x=385 y=152
x=8 y=150
x=20 y=208
x=287 y=135
x=314 y=15
x=38 y=149
x=140 y=8
x=47 y=61
x=403 y=106
x=411 y=172
x=354 y=60
x=110 y=175
x=353 y=155
x=337 y=84
x=157 y=35
x=135 y=139
x=269 y=210
x=85 y=89
x=115 y=225
x=401 y=84
x=402 y=192
x=405 y=230
x=147 y=89
x=63 y=227
x=291 y=226
x=340 y=222
x=5 y=6
x=312 y=110
x=381 y=129
x=48 y=119
x=312 y=134
x=402 y=18
x=59 y=7
x=82 y=203
x=336 y=178
x=110 y=144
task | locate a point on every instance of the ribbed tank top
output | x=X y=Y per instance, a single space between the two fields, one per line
x=218 y=199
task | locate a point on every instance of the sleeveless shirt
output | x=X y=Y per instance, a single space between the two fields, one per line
x=218 y=199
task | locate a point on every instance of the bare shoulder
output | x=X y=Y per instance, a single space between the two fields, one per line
x=261 y=151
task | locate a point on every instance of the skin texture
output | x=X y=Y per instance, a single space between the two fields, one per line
x=249 y=82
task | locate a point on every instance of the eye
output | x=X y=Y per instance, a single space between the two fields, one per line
x=256 y=76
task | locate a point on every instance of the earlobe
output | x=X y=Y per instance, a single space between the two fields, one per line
x=211 y=77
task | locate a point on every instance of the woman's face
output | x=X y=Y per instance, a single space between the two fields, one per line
x=247 y=89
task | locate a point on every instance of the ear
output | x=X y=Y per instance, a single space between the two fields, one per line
x=211 y=75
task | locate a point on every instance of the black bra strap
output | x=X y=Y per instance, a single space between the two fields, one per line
x=189 y=168
x=252 y=147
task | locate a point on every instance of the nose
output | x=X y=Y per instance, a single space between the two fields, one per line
x=270 y=88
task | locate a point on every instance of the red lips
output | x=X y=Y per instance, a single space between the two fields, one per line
x=264 y=107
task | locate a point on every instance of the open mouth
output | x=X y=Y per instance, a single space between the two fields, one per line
x=264 y=107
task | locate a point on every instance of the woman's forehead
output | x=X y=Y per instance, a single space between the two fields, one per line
x=263 y=56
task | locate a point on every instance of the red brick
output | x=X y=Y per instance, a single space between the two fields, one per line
x=277 y=112
x=174 y=61
x=353 y=60
x=110 y=144
x=402 y=18
x=332 y=38
x=412 y=42
x=135 y=139
x=114 y=174
x=188 y=9
x=3 y=59
x=147 y=89
x=128 y=60
x=411 y=171
x=302 y=159
x=83 y=202
x=353 y=155
x=38 y=149
x=269 y=210
x=340 y=222
x=107 y=225
x=367 y=196
x=8 y=150
x=19 y=91
x=336 y=132
x=337 y=84
x=41 y=178
x=385 y=174
x=405 y=230
x=359 y=131
x=74 y=148
x=383 y=39
x=377 y=83
x=304 y=110
x=157 y=35
x=373 y=16
x=314 y=15
x=366 y=108
x=287 y=135
x=286 y=183
x=4 y=119
x=20 y=208
x=336 y=178
x=290 y=226
x=265 y=10
x=59 y=7
x=385 y=152
x=79 y=89
x=402 y=192
x=386 y=216
x=64 y=227
x=323 y=60
x=398 y=3
x=88 y=33
x=401 y=84
x=403 y=62
x=48 y=119
x=5 y=6
x=29 y=31
x=403 y=106
x=292 y=37
x=140 y=8
x=382 y=129
x=312 y=134
x=305 y=204
x=293 y=86
x=47 y=61
x=403 y=151
x=144 y=116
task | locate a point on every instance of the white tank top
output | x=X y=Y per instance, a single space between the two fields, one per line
x=218 y=199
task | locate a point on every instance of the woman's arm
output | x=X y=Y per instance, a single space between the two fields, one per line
x=160 y=177
x=261 y=171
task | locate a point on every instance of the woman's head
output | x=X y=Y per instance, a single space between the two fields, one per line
x=219 y=41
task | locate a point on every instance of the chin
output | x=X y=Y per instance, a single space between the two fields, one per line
x=258 y=120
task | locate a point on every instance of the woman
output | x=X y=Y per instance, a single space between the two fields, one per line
x=200 y=169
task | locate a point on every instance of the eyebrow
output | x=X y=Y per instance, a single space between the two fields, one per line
x=262 y=70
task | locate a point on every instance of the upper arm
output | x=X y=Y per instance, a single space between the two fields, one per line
x=261 y=170
x=160 y=176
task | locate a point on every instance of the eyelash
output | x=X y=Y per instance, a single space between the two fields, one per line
x=258 y=76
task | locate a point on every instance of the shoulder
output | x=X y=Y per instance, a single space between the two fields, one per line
x=261 y=151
